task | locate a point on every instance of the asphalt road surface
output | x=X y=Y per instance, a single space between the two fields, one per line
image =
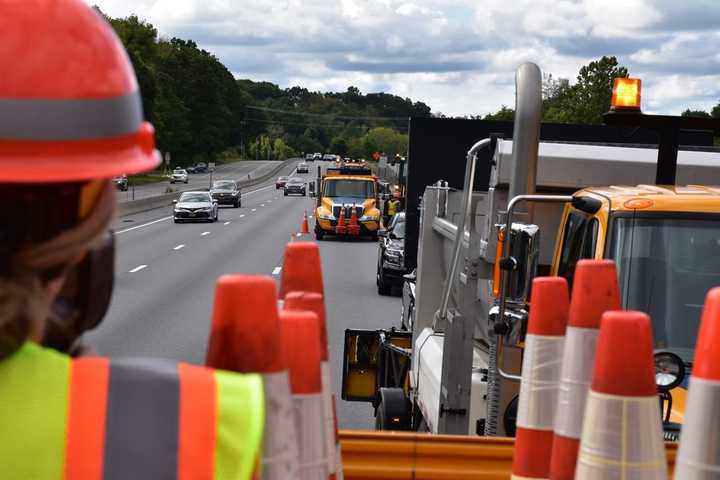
x=228 y=171
x=165 y=277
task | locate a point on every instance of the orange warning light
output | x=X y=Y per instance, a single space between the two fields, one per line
x=637 y=203
x=626 y=94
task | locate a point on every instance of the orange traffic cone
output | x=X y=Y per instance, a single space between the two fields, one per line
x=699 y=454
x=622 y=436
x=305 y=227
x=300 y=332
x=314 y=302
x=594 y=292
x=244 y=338
x=353 y=227
x=340 y=228
x=540 y=378
x=301 y=269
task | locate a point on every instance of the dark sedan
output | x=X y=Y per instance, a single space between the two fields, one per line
x=193 y=206
x=280 y=182
x=295 y=186
x=226 y=192
x=391 y=256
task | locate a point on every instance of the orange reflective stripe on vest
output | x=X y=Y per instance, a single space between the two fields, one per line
x=126 y=419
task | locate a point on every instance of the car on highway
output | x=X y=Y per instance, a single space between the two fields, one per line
x=179 y=175
x=121 y=182
x=317 y=156
x=194 y=206
x=302 y=168
x=280 y=182
x=226 y=192
x=391 y=256
x=328 y=157
x=295 y=186
x=309 y=157
x=190 y=169
x=201 y=167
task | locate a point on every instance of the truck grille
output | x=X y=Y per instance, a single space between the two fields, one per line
x=348 y=211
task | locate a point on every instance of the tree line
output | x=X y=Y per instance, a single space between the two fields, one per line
x=201 y=112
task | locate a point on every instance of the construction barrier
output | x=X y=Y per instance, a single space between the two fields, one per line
x=300 y=332
x=540 y=378
x=594 y=291
x=245 y=338
x=622 y=429
x=699 y=455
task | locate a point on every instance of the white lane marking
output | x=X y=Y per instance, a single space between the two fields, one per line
x=298 y=234
x=137 y=269
x=276 y=270
x=182 y=245
x=262 y=204
x=241 y=216
x=269 y=201
x=254 y=210
x=144 y=225
x=226 y=223
x=204 y=233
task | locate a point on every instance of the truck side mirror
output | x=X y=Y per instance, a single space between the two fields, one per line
x=521 y=264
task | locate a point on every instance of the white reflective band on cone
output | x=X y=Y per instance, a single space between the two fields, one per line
x=332 y=448
x=622 y=439
x=517 y=477
x=699 y=454
x=280 y=448
x=575 y=375
x=310 y=426
x=539 y=385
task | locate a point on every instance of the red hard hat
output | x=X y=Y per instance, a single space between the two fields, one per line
x=70 y=108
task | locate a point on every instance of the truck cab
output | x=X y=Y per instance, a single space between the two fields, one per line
x=346 y=193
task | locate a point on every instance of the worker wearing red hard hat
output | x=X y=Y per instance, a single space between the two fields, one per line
x=71 y=119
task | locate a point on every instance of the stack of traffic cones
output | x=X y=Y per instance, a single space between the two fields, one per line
x=341 y=228
x=540 y=378
x=353 y=227
x=622 y=436
x=302 y=289
x=244 y=338
x=594 y=292
x=300 y=332
x=699 y=454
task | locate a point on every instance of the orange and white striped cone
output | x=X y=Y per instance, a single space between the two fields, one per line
x=300 y=332
x=594 y=291
x=244 y=338
x=540 y=378
x=699 y=454
x=341 y=228
x=622 y=435
x=301 y=270
x=314 y=302
x=305 y=227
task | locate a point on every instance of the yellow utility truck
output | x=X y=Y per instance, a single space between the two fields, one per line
x=455 y=369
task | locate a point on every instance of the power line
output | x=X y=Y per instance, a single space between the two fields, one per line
x=338 y=117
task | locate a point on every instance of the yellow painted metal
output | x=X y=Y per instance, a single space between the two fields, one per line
x=413 y=456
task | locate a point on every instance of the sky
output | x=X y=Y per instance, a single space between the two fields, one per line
x=458 y=56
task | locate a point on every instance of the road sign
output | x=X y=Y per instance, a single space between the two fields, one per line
x=211 y=166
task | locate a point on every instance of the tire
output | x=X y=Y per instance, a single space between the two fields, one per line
x=236 y=204
x=393 y=412
x=175 y=220
x=285 y=193
x=172 y=183
x=383 y=288
x=186 y=182
x=319 y=234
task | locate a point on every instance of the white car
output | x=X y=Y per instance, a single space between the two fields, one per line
x=179 y=175
x=302 y=168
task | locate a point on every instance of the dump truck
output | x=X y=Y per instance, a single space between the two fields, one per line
x=653 y=210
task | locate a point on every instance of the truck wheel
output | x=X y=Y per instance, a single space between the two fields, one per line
x=393 y=412
x=383 y=288
x=319 y=234
x=285 y=193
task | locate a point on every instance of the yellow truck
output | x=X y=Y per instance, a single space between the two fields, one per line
x=342 y=192
x=455 y=370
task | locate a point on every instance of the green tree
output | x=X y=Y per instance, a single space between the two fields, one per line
x=695 y=113
x=505 y=114
x=587 y=100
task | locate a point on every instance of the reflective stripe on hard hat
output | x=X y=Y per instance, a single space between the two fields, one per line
x=33 y=119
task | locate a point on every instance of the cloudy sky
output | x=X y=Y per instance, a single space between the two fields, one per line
x=458 y=56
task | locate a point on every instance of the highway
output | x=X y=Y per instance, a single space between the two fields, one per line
x=165 y=277
x=235 y=171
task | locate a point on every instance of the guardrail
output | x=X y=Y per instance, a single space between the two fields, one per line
x=414 y=456
x=143 y=205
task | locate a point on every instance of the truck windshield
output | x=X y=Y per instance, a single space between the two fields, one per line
x=667 y=262
x=350 y=188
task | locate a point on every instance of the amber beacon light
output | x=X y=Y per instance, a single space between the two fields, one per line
x=626 y=94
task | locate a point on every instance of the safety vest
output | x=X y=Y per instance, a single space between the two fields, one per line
x=392 y=207
x=94 y=418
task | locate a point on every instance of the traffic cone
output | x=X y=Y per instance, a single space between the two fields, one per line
x=594 y=291
x=314 y=302
x=301 y=270
x=340 y=228
x=353 y=227
x=305 y=227
x=542 y=360
x=699 y=453
x=300 y=332
x=622 y=436
x=244 y=338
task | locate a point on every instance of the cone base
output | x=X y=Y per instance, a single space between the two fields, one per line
x=532 y=453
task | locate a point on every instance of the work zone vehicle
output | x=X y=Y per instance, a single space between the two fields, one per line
x=347 y=203
x=457 y=371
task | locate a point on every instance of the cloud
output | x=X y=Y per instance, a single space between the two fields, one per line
x=458 y=56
